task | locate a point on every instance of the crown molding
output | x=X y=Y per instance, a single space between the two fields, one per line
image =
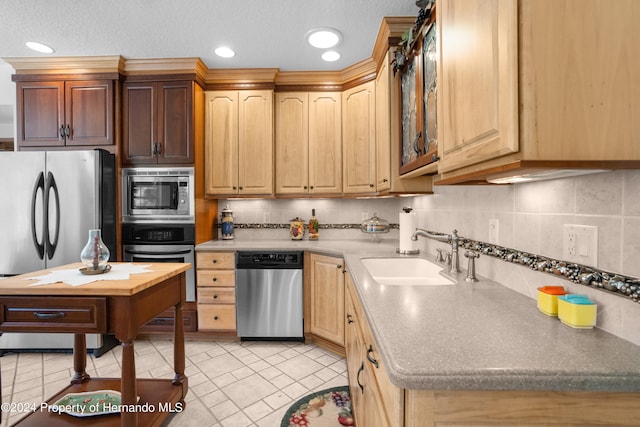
x=66 y=64
x=391 y=29
x=241 y=76
x=157 y=66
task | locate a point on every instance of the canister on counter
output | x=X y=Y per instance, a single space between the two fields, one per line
x=577 y=311
x=296 y=229
x=226 y=218
x=548 y=299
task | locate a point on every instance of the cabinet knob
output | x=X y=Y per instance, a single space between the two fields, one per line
x=234 y=187
x=311 y=187
x=239 y=188
x=215 y=296
x=371 y=185
x=214 y=279
x=349 y=318
x=215 y=317
x=339 y=266
x=214 y=261
x=305 y=187
x=385 y=180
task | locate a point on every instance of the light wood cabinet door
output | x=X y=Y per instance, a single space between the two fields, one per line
x=359 y=144
x=292 y=143
x=255 y=142
x=327 y=298
x=325 y=143
x=478 y=74
x=239 y=142
x=221 y=143
x=308 y=143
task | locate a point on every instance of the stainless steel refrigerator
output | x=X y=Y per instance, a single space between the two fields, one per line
x=48 y=202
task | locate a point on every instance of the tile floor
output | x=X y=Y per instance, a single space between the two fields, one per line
x=230 y=383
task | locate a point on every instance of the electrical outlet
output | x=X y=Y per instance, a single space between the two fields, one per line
x=494 y=228
x=580 y=244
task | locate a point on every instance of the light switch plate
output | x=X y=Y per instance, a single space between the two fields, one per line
x=580 y=244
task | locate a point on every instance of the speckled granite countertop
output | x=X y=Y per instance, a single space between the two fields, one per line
x=480 y=336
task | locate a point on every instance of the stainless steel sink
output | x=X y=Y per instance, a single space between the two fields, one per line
x=395 y=271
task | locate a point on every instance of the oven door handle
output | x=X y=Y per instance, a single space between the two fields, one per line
x=164 y=254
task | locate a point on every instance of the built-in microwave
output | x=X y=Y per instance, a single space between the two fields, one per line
x=156 y=195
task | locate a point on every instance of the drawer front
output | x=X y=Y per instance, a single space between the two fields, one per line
x=216 y=317
x=216 y=295
x=216 y=278
x=165 y=322
x=216 y=260
x=53 y=314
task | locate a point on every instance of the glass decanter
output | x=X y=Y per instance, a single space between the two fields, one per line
x=95 y=254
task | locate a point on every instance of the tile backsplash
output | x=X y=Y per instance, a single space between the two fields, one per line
x=531 y=218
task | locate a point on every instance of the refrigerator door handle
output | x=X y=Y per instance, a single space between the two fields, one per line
x=39 y=185
x=51 y=185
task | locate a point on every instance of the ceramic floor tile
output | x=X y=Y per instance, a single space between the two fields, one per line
x=231 y=383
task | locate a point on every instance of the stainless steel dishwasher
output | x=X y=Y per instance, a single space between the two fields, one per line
x=269 y=295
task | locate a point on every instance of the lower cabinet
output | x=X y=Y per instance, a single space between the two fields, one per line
x=216 y=291
x=376 y=401
x=326 y=289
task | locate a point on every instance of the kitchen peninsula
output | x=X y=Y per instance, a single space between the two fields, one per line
x=118 y=307
x=470 y=353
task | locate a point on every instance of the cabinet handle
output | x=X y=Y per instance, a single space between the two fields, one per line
x=349 y=318
x=371 y=185
x=214 y=279
x=415 y=144
x=214 y=261
x=154 y=149
x=159 y=151
x=370 y=358
x=61 y=131
x=385 y=180
x=215 y=296
x=339 y=266
x=239 y=188
x=67 y=131
x=234 y=187
x=215 y=317
x=49 y=315
x=311 y=187
x=305 y=187
x=358 y=377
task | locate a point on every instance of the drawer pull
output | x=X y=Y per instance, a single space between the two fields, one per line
x=215 y=296
x=349 y=318
x=215 y=317
x=370 y=358
x=49 y=315
x=358 y=377
x=214 y=261
x=339 y=266
x=214 y=279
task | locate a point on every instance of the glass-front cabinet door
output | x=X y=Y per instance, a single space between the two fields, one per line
x=418 y=89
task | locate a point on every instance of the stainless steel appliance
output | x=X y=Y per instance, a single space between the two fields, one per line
x=269 y=295
x=162 y=243
x=158 y=195
x=48 y=202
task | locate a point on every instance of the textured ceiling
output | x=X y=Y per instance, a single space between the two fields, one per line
x=264 y=34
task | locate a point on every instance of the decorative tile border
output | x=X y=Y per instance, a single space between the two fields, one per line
x=584 y=275
x=286 y=226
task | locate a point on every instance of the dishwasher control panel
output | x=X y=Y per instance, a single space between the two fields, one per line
x=269 y=260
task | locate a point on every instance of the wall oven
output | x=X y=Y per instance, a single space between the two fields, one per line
x=158 y=195
x=162 y=243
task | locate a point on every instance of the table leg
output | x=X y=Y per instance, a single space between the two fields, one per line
x=79 y=359
x=178 y=346
x=128 y=386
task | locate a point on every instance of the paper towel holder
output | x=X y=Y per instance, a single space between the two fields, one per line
x=416 y=251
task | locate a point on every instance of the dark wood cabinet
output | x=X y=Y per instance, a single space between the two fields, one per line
x=158 y=122
x=65 y=113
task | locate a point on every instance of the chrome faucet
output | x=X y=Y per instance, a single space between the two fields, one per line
x=449 y=238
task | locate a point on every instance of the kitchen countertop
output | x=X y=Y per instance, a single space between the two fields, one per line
x=471 y=336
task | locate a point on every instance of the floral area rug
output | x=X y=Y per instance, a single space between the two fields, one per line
x=326 y=408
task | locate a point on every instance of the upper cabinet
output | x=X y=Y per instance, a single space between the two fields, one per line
x=531 y=85
x=239 y=142
x=308 y=143
x=58 y=113
x=158 y=122
x=359 y=139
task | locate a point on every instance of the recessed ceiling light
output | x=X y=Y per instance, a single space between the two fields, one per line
x=225 y=52
x=323 y=38
x=39 y=47
x=331 y=56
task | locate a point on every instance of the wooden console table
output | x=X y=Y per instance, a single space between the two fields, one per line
x=118 y=307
